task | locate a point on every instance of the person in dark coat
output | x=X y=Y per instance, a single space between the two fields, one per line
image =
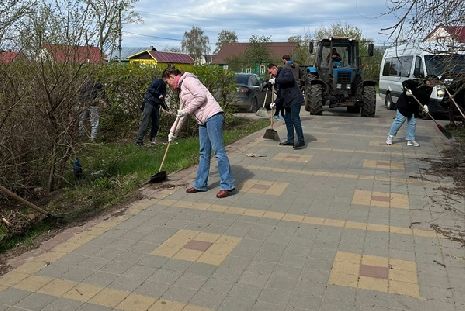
x=290 y=96
x=415 y=96
x=91 y=99
x=154 y=99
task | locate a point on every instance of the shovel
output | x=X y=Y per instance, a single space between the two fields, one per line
x=160 y=176
x=271 y=132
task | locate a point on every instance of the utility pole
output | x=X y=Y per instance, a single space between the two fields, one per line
x=120 y=31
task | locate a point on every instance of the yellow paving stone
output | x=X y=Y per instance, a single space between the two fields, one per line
x=135 y=302
x=361 y=197
x=166 y=305
x=254 y=212
x=166 y=250
x=375 y=261
x=82 y=292
x=13 y=277
x=202 y=206
x=50 y=256
x=342 y=279
x=187 y=254
x=355 y=225
x=407 y=289
x=277 y=189
x=398 y=230
x=377 y=228
x=208 y=237
x=346 y=267
x=405 y=265
x=370 y=283
x=211 y=259
x=403 y=276
x=255 y=191
x=399 y=200
x=109 y=297
x=376 y=199
x=33 y=283
x=167 y=202
x=217 y=208
x=3 y=287
x=195 y=308
x=32 y=267
x=57 y=287
x=349 y=257
x=183 y=204
x=334 y=222
x=247 y=185
x=273 y=215
x=293 y=217
x=424 y=233
x=235 y=210
x=313 y=220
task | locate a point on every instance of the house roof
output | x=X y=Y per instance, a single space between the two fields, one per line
x=7 y=57
x=235 y=49
x=456 y=32
x=77 y=54
x=165 y=57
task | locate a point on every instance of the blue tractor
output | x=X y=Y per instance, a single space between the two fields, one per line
x=336 y=79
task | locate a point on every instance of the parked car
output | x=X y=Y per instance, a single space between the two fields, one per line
x=250 y=92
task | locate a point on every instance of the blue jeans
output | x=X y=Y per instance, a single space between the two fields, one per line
x=211 y=137
x=397 y=123
x=292 y=120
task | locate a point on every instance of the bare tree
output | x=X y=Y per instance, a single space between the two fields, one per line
x=225 y=36
x=195 y=43
x=338 y=30
x=11 y=12
x=417 y=18
x=108 y=16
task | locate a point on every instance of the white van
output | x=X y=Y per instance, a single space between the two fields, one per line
x=409 y=62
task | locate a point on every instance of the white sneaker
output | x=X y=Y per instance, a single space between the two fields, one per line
x=389 y=140
x=412 y=143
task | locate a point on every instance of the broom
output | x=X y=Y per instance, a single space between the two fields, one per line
x=441 y=128
x=262 y=112
x=271 y=133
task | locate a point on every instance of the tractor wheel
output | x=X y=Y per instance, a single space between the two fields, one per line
x=388 y=102
x=253 y=105
x=369 y=102
x=315 y=100
x=353 y=109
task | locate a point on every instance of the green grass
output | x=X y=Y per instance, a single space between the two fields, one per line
x=114 y=171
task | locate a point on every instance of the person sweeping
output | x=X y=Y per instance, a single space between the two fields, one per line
x=196 y=100
x=408 y=108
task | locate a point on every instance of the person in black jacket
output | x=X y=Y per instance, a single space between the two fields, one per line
x=154 y=99
x=291 y=98
x=416 y=94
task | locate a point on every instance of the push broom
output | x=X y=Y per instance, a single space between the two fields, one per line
x=441 y=128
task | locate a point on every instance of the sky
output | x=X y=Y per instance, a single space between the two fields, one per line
x=164 y=22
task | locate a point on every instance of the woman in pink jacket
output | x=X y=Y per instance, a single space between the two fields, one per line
x=196 y=100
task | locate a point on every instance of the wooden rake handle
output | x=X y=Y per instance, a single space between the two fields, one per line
x=168 y=146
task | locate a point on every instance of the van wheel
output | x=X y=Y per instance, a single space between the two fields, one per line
x=388 y=102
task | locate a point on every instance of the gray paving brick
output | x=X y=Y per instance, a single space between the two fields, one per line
x=11 y=296
x=62 y=305
x=34 y=301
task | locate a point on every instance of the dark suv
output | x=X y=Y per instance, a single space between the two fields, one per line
x=250 y=92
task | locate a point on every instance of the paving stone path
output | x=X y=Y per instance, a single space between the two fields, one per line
x=343 y=224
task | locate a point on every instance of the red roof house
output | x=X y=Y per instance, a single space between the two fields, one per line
x=61 y=53
x=7 y=57
x=154 y=57
x=447 y=33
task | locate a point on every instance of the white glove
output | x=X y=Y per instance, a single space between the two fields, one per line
x=425 y=109
x=272 y=105
x=160 y=97
x=171 y=137
x=408 y=92
x=272 y=81
x=181 y=113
